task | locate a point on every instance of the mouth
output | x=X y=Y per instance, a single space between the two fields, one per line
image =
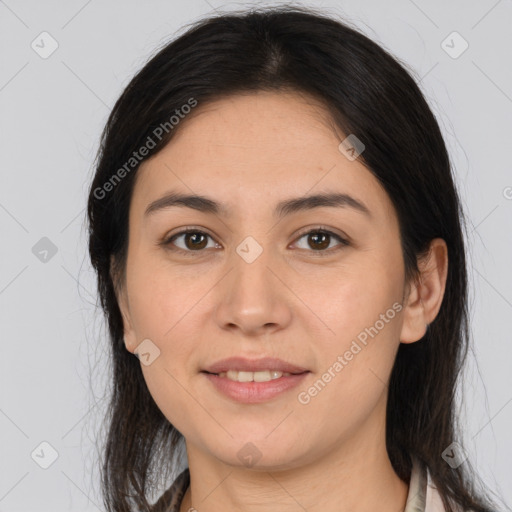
x=254 y=366
x=259 y=376
x=254 y=381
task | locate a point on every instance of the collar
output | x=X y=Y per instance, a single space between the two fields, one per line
x=423 y=495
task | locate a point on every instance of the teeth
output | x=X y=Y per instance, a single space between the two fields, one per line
x=263 y=376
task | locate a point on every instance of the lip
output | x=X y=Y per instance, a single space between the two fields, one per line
x=254 y=392
x=254 y=365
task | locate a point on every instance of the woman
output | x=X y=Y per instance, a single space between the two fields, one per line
x=277 y=238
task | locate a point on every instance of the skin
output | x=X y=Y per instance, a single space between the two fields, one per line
x=250 y=152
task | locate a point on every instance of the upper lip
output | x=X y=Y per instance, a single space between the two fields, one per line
x=253 y=365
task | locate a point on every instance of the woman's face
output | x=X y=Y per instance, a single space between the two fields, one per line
x=252 y=283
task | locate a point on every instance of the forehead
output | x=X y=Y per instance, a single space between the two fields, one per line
x=252 y=148
x=247 y=122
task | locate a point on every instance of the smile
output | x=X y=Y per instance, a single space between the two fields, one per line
x=261 y=376
x=244 y=387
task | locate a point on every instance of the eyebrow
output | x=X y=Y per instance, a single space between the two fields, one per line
x=287 y=207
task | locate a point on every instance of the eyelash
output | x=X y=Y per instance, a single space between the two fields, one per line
x=167 y=242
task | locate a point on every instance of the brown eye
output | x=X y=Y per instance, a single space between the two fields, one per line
x=319 y=240
x=193 y=240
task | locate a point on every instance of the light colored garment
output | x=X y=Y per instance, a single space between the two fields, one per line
x=422 y=496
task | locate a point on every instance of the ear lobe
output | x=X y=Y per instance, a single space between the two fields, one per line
x=130 y=339
x=122 y=301
x=426 y=294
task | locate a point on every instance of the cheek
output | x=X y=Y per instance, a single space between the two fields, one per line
x=168 y=389
x=360 y=307
x=352 y=375
x=347 y=301
x=160 y=296
x=163 y=306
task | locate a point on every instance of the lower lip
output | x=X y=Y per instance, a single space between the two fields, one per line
x=254 y=392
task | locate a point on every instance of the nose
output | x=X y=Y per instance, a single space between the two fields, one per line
x=253 y=298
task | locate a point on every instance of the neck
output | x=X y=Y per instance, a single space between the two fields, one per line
x=355 y=476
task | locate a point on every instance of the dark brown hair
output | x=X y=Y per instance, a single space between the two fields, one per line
x=368 y=93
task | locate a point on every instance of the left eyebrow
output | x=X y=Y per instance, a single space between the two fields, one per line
x=287 y=207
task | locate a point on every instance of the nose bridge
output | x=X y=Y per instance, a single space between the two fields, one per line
x=252 y=297
x=251 y=279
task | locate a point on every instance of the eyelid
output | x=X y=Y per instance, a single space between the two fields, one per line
x=166 y=241
x=323 y=229
x=343 y=240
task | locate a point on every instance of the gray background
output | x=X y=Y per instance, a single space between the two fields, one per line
x=53 y=367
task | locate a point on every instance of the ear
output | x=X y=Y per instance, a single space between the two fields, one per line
x=426 y=294
x=122 y=300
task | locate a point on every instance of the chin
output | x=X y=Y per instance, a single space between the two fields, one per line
x=258 y=454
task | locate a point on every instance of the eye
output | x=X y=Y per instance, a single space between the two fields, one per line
x=319 y=239
x=195 y=240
